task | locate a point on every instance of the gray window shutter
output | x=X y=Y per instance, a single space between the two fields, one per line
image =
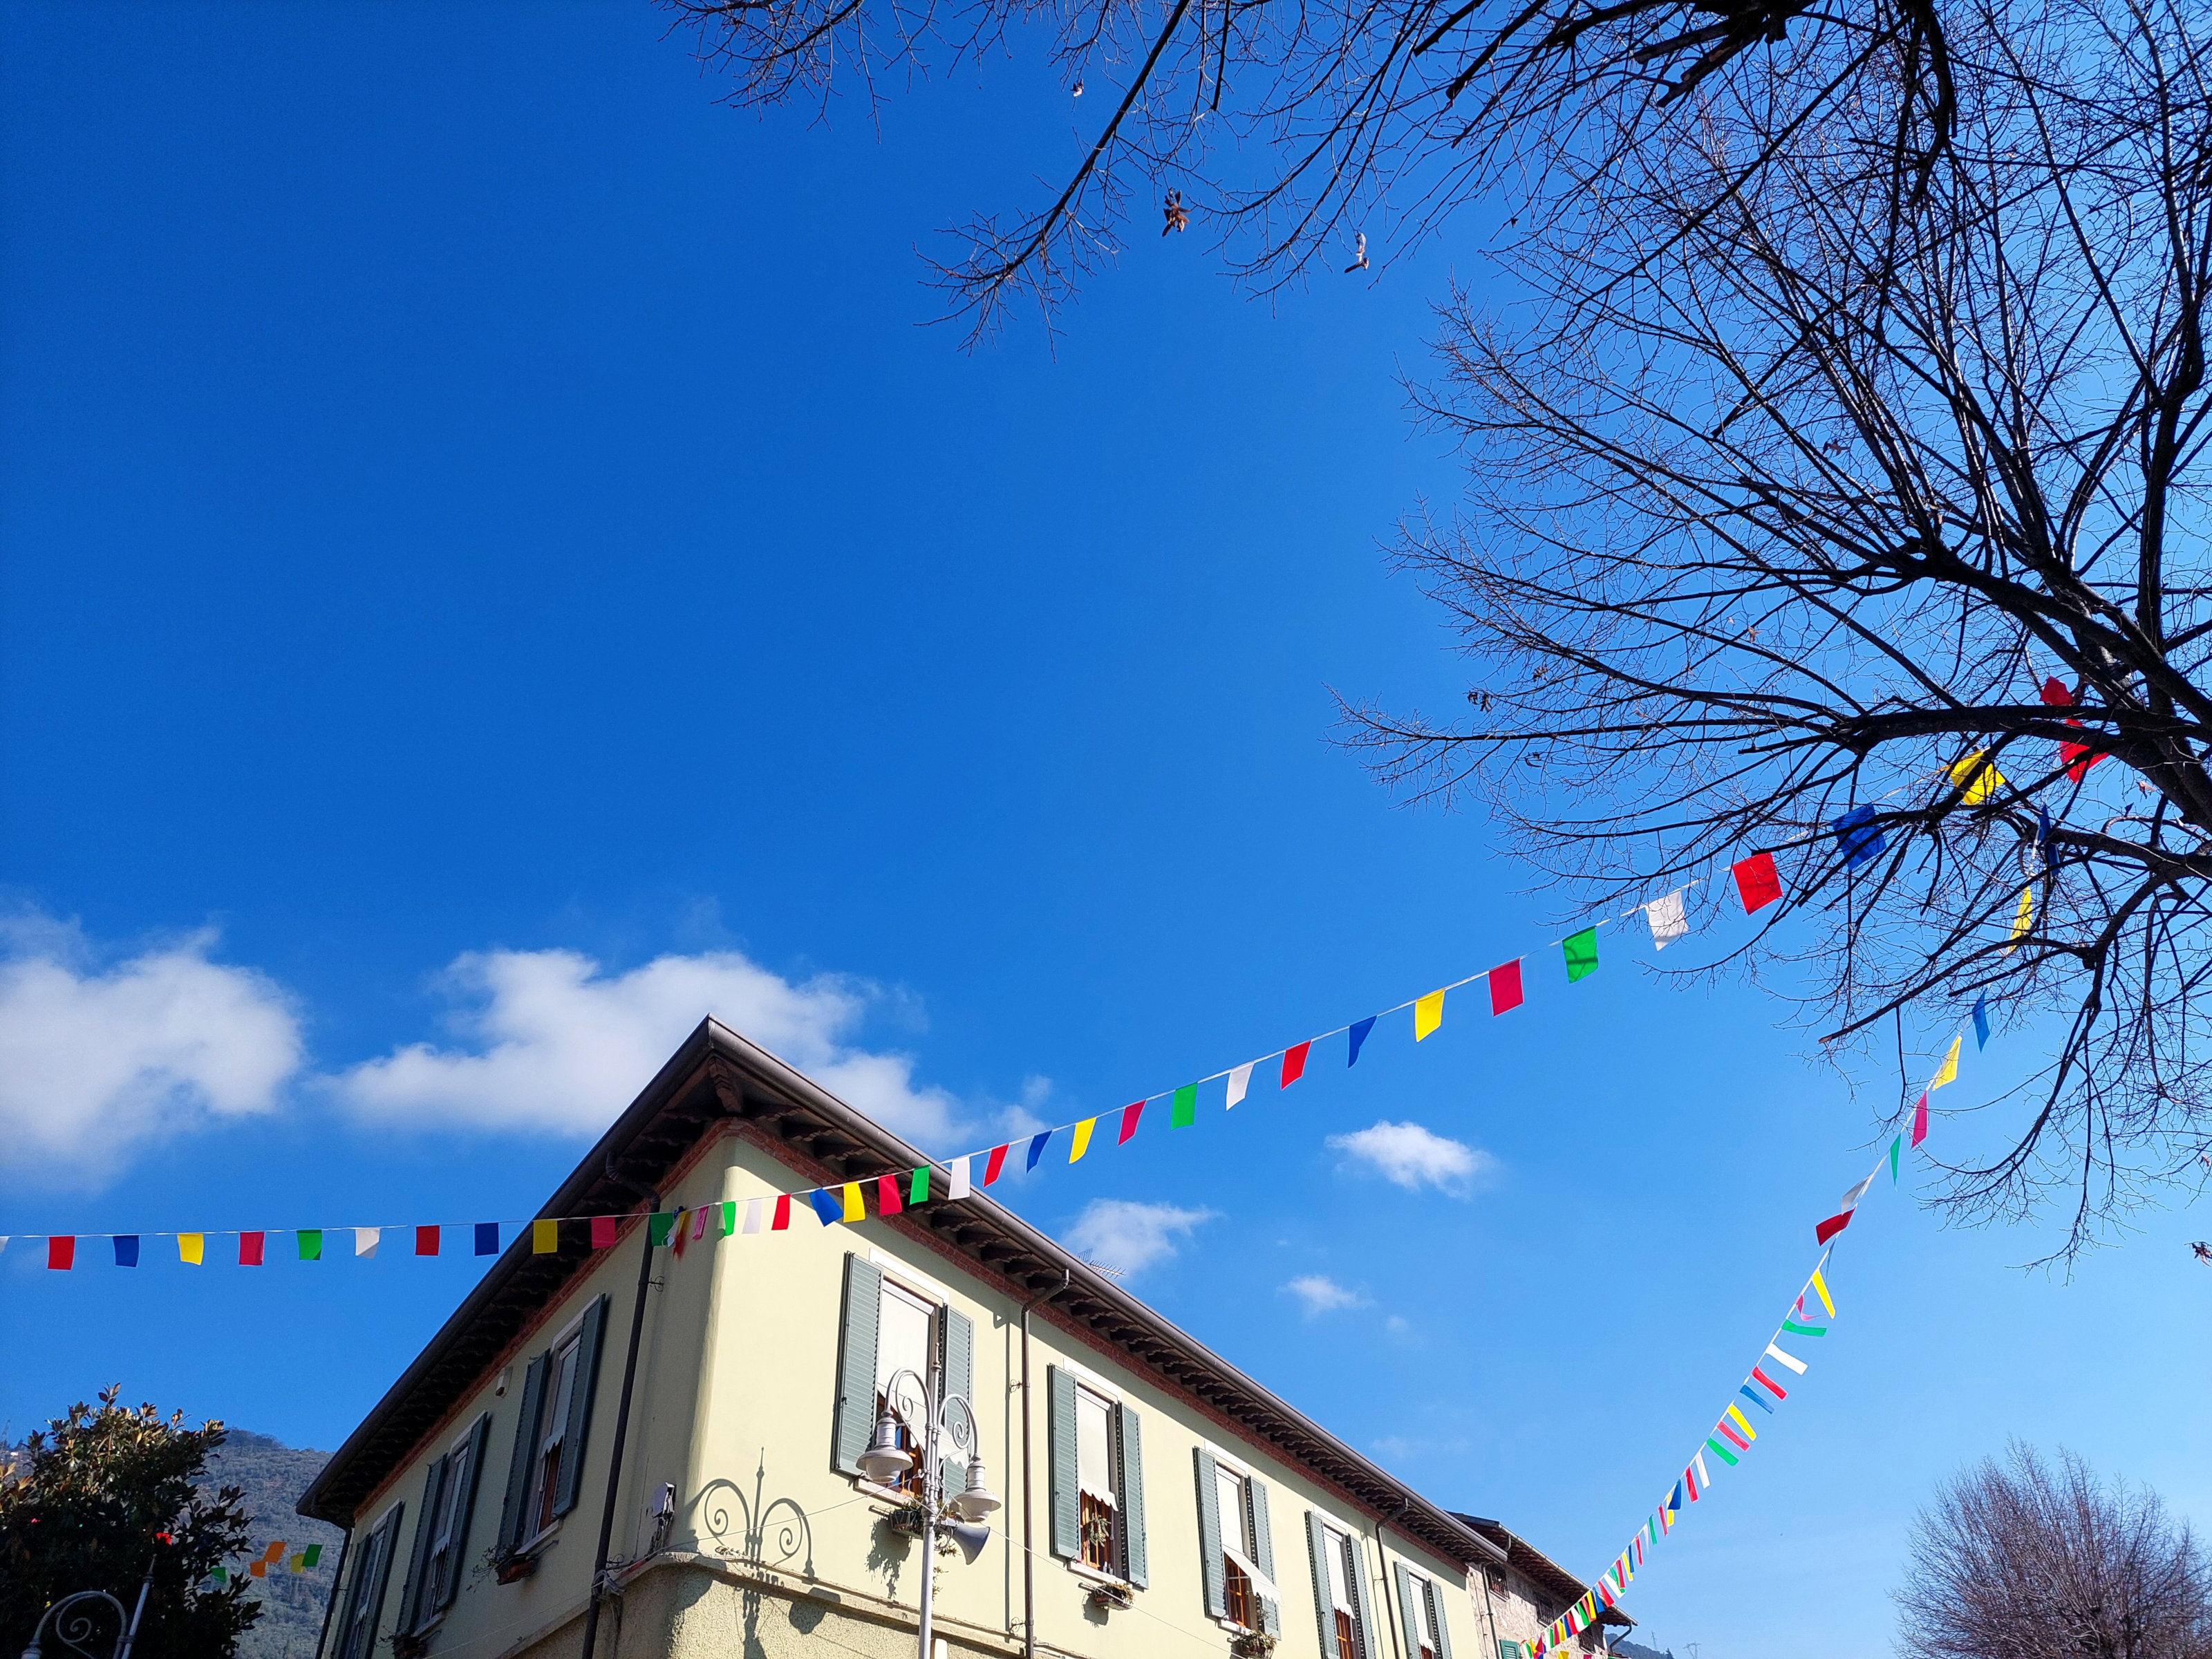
x=1355 y=1586
x=854 y=1417
x=371 y=1583
x=1209 y=1538
x=1406 y=1591
x=1131 y=1487
x=588 y=1343
x=960 y=1379
x=1263 y=1557
x=426 y=1522
x=465 y=1505
x=382 y=1580
x=513 y=1524
x=1324 y=1608
x=1060 y=1472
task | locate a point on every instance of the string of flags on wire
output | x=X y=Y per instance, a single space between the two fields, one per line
x=1858 y=834
x=1733 y=1433
x=275 y=1558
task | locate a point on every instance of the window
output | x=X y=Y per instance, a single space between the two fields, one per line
x=449 y=1492
x=889 y=1326
x=906 y=1341
x=1237 y=1559
x=1097 y=1478
x=1338 y=1595
x=1233 y=1500
x=1423 y=1610
x=365 y=1601
x=545 y=1478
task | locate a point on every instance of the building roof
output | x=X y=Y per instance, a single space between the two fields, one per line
x=718 y=1076
x=1539 y=1569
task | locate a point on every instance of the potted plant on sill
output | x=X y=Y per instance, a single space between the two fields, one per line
x=1252 y=1645
x=1112 y=1597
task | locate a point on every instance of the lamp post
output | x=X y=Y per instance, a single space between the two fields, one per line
x=75 y=1629
x=947 y=1422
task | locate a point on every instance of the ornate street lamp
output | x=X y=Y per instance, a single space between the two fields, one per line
x=950 y=1427
x=74 y=1629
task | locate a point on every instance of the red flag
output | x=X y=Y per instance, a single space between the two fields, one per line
x=61 y=1252
x=1828 y=1228
x=1734 y=1439
x=1294 y=1063
x=998 y=1163
x=782 y=1221
x=603 y=1231
x=679 y=1235
x=1690 y=1481
x=2056 y=693
x=1920 y=1121
x=249 y=1249
x=1757 y=1371
x=1756 y=883
x=1505 y=987
x=425 y=1241
x=2076 y=757
x=1130 y=1114
x=887 y=1198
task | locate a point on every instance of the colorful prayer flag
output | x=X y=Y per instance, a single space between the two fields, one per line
x=299 y=1561
x=1982 y=1021
x=1734 y=1414
x=249 y=1249
x=1720 y=1451
x=855 y=1209
x=782 y=1221
x=1360 y=1028
x=1977 y=777
x=274 y=1554
x=1753 y=1395
x=699 y=1222
x=1756 y=882
x=425 y=1241
x=1734 y=1438
x=657 y=1226
x=365 y=1240
x=1920 y=1121
x=1294 y=1063
x=887 y=1195
x=1669 y=921
x=487 y=1237
x=826 y=1206
x=1949 y=1070
x=1698 y=1462
x=1504 y=987
x=1827 y=1229
x=1183 y=1109
x=958 y=1189
x=996 y=1162
x=1851 y=1198
x=311 y=1243
x=1796 y=1365
x=1037 y=1146
x=220 y=1575
x=1239 y=1080
x=544 y=1238
x=313 y=1555
x=603 y=1228
x=1080 y=1143
x=1690 y=1482
x=191 y=1248
x=917 y=1188
x=1580 y=950
x=126 y=1250
x=2023 y=917
x=1130 y=1114
x=1896 y=1145
x=1859 y=837
x=1428 y=1014
x=1821 y=1286
x=258 y=1568
x=1780 y=1392
x=754 y=1206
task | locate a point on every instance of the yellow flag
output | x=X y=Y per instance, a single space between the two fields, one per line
x=191 y=1248
x=544 y=1238
x=1743 y=1425
x=1820 y=1286
x=1980 y=779
x=299 y=1561
x=1081 y=1144
x=1428 y=1014
x=1950 y=1072
x=855 y=1209
x=2022 y=915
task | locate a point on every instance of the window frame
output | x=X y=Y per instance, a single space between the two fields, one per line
x=372 y=1582
x=1233 y=1574
x=905 y=1489
x=446 y=1521
x=1425 y=1601
x=1342 y=1563
x=550 y=1430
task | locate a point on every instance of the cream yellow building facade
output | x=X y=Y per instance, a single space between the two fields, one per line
x=682 y=1429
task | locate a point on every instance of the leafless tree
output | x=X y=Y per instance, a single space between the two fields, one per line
x=2022 y=1560
x=1785 y=504
x=1294 y=125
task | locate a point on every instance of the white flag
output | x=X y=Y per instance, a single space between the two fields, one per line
x=753 y=1214
x=364 y=1240
x=1851 y=1198
x=1238 y=1079
x=958 y=1169
x=1698 y=1462
x=1796 y=1365
x=1667 y=919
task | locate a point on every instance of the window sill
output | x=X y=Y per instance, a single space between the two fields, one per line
x=521 y=1562
x=891 y=1495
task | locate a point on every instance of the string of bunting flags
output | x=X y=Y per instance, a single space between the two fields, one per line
x=305 y=1559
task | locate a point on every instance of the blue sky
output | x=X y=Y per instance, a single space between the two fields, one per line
x=490 y=558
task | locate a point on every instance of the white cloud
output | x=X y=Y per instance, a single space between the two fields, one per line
x=97 y=1062
x=1115 y=1233
x=550 y=1042
x=1320 y=1294
x=1412 y=1156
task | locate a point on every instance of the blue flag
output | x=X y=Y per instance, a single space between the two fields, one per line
x=1755 y=1397
x=487 y=1238
x=1360 y=1028
x=826 y=1206
x=126 y=1250
x=1860 y=836
x=1982 y=1021
x=1036 y=1148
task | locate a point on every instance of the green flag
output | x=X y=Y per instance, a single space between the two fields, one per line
x=1893 y=1145
x=220 y=1575
x=311 y=1243
x=312 y=1554
x=1186 y=1107
x=917 y=1190
x=657 y=1226
x=1580 y=953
